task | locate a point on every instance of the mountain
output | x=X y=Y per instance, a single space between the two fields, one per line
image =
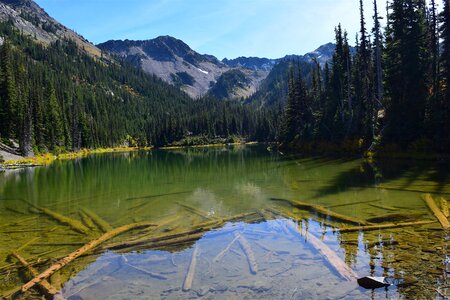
x=171 y=60
x=197 y=74
x=237 y=84
x=252 y=63
x=33 y=21
x=57 y=95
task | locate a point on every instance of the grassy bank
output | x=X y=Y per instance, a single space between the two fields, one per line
x=48 y=158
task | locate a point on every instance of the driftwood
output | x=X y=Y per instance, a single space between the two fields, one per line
x=220 y=221
x=187 y=284
x=395 y=217
x=436 y=211
x=224 y=251
x=157 y=196
x=181 y=237
x=402 y=189
x=444 y=207
x=329 y=255
x=352 y=203
x=74 y=224
x=47 y=288
x=195 y=210
x=151 y=274
x=384 y=226
x=248 y=253
x=322 y=210
x=102 y=224
x=87 y=220
x=384 y=207
x=74 y=255
x=27 y=244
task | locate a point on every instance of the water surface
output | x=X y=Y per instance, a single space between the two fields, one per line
x=183 y=189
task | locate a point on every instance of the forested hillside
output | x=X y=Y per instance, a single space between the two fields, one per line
x=391 y=96
x=57 y=98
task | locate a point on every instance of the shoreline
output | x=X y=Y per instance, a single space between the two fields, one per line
x=48 y=158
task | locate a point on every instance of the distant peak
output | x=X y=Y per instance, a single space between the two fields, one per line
x=17 y=3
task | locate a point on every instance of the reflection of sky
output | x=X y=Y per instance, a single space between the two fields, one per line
x=286 y=263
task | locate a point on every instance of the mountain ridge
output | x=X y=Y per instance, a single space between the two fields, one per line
x=177 y=63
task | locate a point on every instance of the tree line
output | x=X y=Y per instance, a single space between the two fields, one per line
x=58 y=98
x=393 y=94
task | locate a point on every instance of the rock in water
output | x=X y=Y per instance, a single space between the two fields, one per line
x=370 y=282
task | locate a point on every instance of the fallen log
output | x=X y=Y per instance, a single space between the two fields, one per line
x=87 y=220
x=74 y=224
x=385 y=207
x=220 y=221
x=46 y=287
x=74 y=255
x=402 y=189
x=352 y=203
x=384 y=226
x=187 y=284
x=224 y=251
x=151 y=274
x=322 y=210
x=194 y=210
x=329 y=255
x=27 y=244
x=436 y=211
x=198 y=231
x=245 y=245
x=444 y=207
x=157 y=196
x=102 y=224
x=395 y=217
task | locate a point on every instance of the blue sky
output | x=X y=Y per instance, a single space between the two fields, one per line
x=224 y=28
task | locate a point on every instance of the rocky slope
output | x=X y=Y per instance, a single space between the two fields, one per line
x=32 y=20
x=175 y=62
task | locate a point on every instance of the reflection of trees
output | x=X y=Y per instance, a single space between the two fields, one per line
x=431 y=177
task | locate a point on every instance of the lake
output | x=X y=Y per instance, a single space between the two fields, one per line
x=236 y=222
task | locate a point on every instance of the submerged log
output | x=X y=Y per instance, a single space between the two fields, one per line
x=87 y=220
x=220 y=221
x=395 y=217
x=384 y=207
x=157 y=196
x=194 y=210
x=151 y=274
x=245 y=245
x=102 y=224
x=74 y=224
x=322 y=210
x=384 y=226
x=74 y=255
x=177 y=238
x=329 y=255
x=352 y=203
x=403 y=189
x=27 y=244
x=436 y=211
x=187 y=284
x=224 y=251
x=444 y=207
x=47 y=288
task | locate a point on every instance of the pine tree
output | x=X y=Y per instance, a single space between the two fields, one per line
x=445 y=73
x=8 y=94
x=54 y=124
x=406 y=63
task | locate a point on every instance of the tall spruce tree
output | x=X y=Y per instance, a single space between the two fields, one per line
x=445 y=74
x=8 y=93
x=406 y=61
